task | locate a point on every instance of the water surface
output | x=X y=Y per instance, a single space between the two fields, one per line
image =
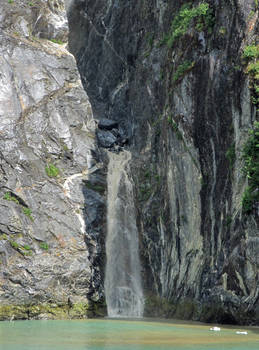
x=122 y=335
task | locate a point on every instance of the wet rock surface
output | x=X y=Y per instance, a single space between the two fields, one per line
x=185 y=104
x=47 y=150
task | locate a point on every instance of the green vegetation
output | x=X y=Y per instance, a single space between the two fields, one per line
x=253 y=69
x=181 y=70
x=27 y=212
x=149 y=182
x=251 y=14
x=150 y=39
x=159 y=307
x=10 y=1
x=222 y=30
x=175 y=128
x=26 y=247
x=44 y=246
x=251 y=169
x=231 y=155
x=22 y=249
x=52 y=310
x=247 y=201
x=228 y=221
x=57 y=41
x=7 y=196
x=250 y=56
x=10 y=197
x=52 y=171
x=201 y=14
x=251 y=51
x=14 y=245
x=79 y=310
x=25 y=250
x=145 y=192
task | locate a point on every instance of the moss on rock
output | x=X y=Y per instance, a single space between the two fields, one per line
x=43 y=311
x=158 y=307
x=10 y=312
x=97 y=309
x=79 y=310
x=185 y=309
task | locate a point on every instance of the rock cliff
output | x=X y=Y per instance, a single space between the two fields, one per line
x=174 y=84
x=172 y=74
x=48 y=165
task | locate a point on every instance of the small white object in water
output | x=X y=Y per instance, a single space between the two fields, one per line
x=216 y=329
x=243 y=332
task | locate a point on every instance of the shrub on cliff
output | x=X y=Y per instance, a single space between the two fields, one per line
x=251 y=169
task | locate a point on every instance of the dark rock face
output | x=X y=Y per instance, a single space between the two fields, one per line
x=186 y=111
x=107 y=124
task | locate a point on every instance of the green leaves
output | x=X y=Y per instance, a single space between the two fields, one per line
x=51 y=170
x=251 y=169
x=57 y=41
x=44 y=246
x=27 y=212
x=182 y=21
x=12 y=198
x=250 y=56
x=251 y=51
x=182 y=69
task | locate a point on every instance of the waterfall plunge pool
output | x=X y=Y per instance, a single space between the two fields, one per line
x=107 y=334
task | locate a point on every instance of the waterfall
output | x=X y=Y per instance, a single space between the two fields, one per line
x=124 y=296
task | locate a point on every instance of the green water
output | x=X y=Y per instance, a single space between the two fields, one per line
x=121 y=335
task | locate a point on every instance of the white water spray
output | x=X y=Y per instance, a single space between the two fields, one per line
x=123 y=290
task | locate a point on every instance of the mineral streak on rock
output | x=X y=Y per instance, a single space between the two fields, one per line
x=177 y=96
x=46 y=134
x=176 y=80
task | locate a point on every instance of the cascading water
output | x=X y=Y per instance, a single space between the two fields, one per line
x=123 y=290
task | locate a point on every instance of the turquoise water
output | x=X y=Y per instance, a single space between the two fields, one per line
x=122 y=335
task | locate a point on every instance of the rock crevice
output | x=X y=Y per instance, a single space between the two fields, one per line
x=181 y=89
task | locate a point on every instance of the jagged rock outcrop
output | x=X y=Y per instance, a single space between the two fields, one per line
x=174 y=80
x=169 y=85
x=51 y=217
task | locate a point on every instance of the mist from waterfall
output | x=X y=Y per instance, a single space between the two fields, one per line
x=123 y=290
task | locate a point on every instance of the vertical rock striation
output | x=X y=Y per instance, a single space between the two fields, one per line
x=171 y=87
x=174 y=81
